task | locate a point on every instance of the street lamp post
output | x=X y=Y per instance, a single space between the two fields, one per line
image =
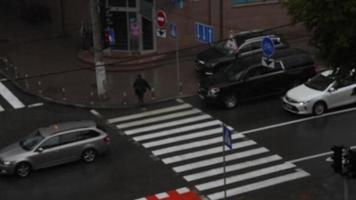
x=97 y=45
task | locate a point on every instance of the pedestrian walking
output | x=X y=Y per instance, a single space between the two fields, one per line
x=140 y=86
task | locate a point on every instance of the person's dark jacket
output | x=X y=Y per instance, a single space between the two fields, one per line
x=140 y=86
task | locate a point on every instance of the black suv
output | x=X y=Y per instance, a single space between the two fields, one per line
x=214 y=59
x=247 y=78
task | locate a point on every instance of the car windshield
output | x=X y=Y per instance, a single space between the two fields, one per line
x=31 y=141
x=320 y=82
x=222 y=49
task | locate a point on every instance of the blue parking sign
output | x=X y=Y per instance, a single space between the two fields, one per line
x=268 y=46
x=204 y=33
x=173 y=30
x=227 y=137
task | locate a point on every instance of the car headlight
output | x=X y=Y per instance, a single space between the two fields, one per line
x=303 y=103
x=213 y=91
x=5 y=162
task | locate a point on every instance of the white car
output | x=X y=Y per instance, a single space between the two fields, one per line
x=322 y=92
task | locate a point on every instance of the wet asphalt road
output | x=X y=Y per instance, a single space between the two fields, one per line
x=128 y=171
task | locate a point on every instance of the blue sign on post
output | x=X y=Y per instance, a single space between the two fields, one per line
x=173 y=30
x=227 y=137
x=204 y=33
x=268 y=47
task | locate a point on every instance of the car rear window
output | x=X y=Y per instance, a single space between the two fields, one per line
x=297 y=60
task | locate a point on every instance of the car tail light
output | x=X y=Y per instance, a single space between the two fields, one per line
x=106 y=140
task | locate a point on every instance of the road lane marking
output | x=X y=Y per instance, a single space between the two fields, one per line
x=159 y=118
x=217 y=160
x=295 y=121
x=1 y=109
x=35 y=105
x=3 y=79
x=231 y=168
x=200 y=143
x=259 y=185
x=245 y=176
x=205 y=152
x=148 y=113
x=176 y=130
x=194 y=135
x=315 y=156
x=10 y=98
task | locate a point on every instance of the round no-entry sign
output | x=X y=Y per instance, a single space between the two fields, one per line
x=161 y=18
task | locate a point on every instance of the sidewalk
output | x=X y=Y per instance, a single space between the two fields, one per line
x=54 y=70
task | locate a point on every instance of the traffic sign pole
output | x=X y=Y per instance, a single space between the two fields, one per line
x=224 y=162
x=178 y=66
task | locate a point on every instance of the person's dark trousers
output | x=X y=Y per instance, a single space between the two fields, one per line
x=140 y=98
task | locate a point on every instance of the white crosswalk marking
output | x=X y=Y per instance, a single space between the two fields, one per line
x=1 y=108
x=259 y=185
x=148 y=113
x=166 y=125
x=157 y=119
x=10 y=98
x=193 y=145
x=230 y=168
x=190 y=142
x=176 y=130
x=204 y=152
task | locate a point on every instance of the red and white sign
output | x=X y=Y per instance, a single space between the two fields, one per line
x=161 y=18
x=178 y=194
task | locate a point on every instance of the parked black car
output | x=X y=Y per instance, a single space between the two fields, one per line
x=248 y=79
x=217 y=57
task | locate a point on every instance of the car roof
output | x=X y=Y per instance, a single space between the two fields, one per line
x=65 y=126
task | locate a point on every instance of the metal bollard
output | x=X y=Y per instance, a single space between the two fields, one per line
x=180 y=88
x=153 y=94
x=39 y=83
x=124 y=98
x=91 y=98
x=63 y=94
x=26 y=81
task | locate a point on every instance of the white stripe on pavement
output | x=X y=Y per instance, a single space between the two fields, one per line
x=183 y=190
x=159 y=118
x=3 y=79
x=35 y=105
x=9 y=97
x=192 y=145
x=148 y=113
x=1 y=108
x=296 y=121
x=204 y=152
x=259 y=185
x=177 y=130
x=231 y=168
x=245 y=176
x=183 y=137
x=162 y=195
x=217 y=160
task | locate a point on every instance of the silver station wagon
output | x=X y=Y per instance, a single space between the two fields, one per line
x=54 y=145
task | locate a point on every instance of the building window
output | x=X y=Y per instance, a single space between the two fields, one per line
x=123 y=3
x=239 y=2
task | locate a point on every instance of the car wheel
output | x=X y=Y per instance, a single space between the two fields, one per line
x=319 y=108
x=230 y=101
x=23 y=169
x=89 y=155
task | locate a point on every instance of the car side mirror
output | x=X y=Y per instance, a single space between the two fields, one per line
x=332 y=89
x=39 y=150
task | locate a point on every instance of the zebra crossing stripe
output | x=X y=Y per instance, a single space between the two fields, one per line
x=231 y=168
x=149 y=113
x=245 y=176
x=193 y=145
x=176 y=130
x=9 y=97
x=217 y=160
x=183 y=137
x=1 y=108
x=204 y=152
x=259 y=185
x=160 y=118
